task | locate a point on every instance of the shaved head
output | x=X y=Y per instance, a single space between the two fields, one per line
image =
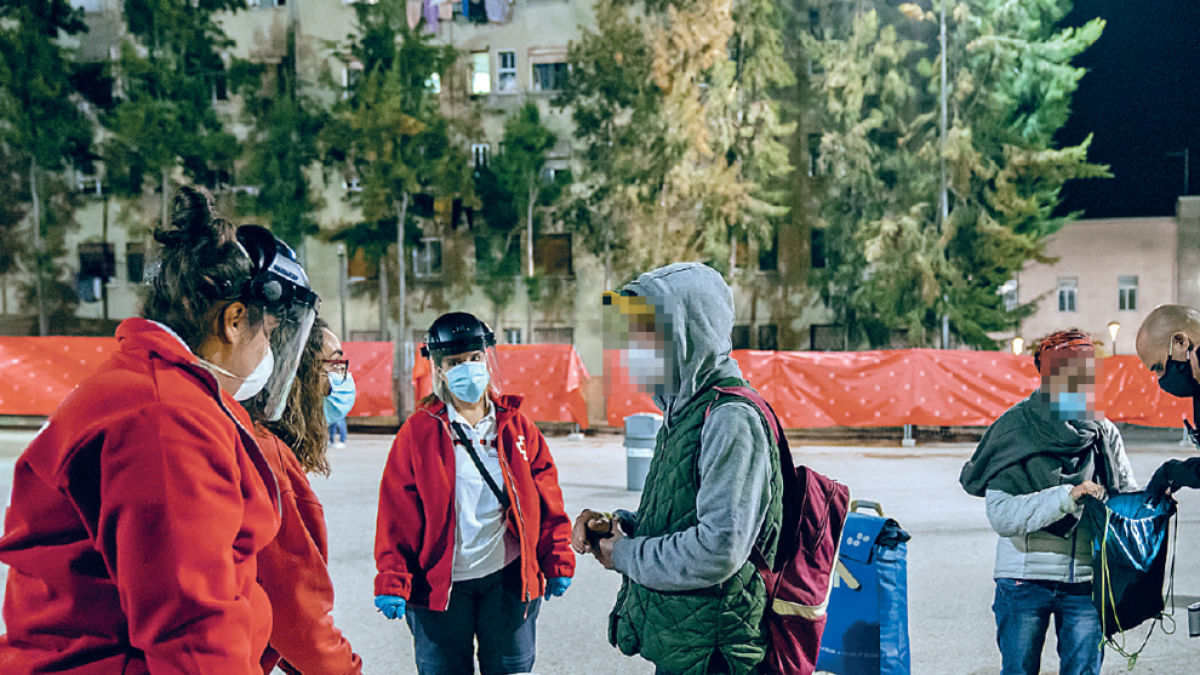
x=1170 y=329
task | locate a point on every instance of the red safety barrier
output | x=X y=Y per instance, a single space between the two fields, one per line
x=36 y=374
x=916 y=386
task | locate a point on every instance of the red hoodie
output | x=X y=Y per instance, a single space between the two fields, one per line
x=415 y=533
x=294 y=571
x=136 y=517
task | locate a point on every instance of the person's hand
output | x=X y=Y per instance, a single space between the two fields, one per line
x=557 y=586
x=392 y=606
x=1087 y=487
x=603 y=552
x=589 y=520
x=1160 y=484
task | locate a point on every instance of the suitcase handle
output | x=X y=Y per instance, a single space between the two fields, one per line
x=866 y=504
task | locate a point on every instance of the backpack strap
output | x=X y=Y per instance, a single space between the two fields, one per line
x=786 y=466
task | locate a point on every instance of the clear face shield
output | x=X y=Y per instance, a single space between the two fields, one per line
x=638 y=338
x=280 y=288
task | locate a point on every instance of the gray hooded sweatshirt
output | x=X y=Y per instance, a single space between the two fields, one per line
x=735 y=462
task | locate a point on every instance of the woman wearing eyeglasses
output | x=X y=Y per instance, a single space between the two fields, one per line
x=293 y=568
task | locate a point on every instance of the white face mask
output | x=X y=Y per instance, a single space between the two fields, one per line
x=646 y=366
x=257 y=379
x=252 y=383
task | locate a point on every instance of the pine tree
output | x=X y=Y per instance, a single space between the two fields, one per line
x=894 y=264
x=165 y=120
x=391 y=133
x=704 y=163
x=45 y=130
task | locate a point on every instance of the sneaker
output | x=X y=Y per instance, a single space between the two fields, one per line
x=339 y=445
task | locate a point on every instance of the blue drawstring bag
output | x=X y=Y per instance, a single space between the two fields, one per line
x=1130 y=551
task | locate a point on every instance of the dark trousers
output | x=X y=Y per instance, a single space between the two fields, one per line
x=489 y=610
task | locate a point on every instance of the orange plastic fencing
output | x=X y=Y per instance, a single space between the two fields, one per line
x=916 y=386
x=552 y=379
x=36 y=374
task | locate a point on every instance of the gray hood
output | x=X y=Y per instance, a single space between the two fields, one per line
x=700 y=305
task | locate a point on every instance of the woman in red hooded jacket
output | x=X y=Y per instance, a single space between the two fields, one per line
x=294 y=568
x=470 y=501
x=138 y=511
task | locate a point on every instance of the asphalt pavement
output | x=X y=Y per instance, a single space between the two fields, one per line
x=949 y=558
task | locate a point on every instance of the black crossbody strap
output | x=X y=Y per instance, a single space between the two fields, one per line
x=487 y=476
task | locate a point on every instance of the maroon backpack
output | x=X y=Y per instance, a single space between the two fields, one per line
x=798 y=586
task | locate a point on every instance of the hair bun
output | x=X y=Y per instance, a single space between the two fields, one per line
x=193 y=222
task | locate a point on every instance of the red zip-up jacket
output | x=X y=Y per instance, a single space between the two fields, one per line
x=294 y=571
x=415 y=532
x=135 y=522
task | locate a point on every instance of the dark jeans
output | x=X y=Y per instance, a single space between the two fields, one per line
x=1023 y=609
x=338 y=428
x=487 y=609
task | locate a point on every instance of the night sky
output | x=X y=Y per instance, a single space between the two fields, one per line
x=1141 y=99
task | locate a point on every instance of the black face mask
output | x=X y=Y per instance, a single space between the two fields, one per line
x=1177 y=378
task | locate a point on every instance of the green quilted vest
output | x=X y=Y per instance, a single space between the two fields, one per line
x=681 y=631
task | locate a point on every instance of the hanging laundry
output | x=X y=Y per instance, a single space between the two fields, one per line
x=466 y=9
x=431 y=17
x=446 y=10
x=477 y=13
x=499 y=11
x=413 y=13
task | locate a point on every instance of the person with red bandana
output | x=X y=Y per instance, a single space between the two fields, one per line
x=1033 y=466
x=138 y=510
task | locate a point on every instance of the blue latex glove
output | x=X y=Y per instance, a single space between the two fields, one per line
x=557 y=586
x=392 y=606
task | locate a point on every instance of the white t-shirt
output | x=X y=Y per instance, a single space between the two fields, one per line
x=483 y=543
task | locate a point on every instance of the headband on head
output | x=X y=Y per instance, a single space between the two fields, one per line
x=1064 y=343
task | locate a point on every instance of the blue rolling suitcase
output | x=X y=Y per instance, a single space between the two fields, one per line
x=867 y=630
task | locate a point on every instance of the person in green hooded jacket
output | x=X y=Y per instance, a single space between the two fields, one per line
x=691 y=602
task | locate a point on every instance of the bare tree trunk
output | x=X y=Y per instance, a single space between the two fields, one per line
x=607 y=254
x=383 y=300
x=401 y=368
x=166 y=199
x=43 y=320
x=104 y=287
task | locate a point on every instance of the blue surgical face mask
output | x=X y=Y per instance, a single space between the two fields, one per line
x=1069 y=406
x=340 y=399
x=468 y=380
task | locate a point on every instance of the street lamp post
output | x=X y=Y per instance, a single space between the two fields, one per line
x=1113 y=329
x=342 y=273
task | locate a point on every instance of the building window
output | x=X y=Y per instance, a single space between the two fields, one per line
x=220 y=85
x=828 y=338
x=97 y=259
x=480 y=153
x=512 y=336
x=768 y=337
x=814 y=153
x=506 y=74
x=768 y=256
x=550 y=76
x=1127 y=289
x=481 y=82
x=552 y=255
x=1009 y=291
x=817 y=246
x=427 y=259
x=352 y=185
x=351 y=75
x=554 y=336
x=1068 y=293
x=135 y=261
x=740 y=337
